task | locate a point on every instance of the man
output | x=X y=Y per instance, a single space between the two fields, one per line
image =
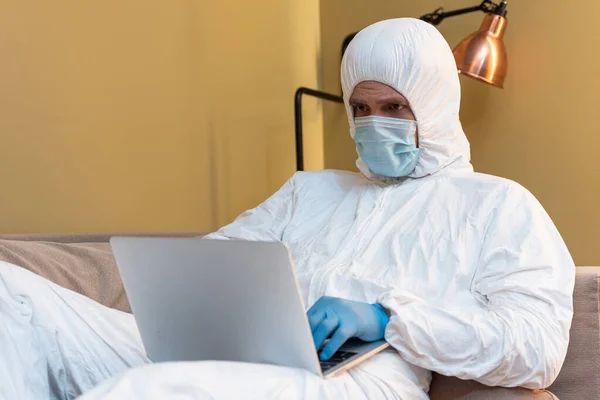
x=462 y=273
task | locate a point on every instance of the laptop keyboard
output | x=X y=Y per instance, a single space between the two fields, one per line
x=336 y=359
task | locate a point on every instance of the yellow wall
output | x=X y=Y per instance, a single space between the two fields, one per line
x=257 y=61
x=149 y=115
x=542 y=130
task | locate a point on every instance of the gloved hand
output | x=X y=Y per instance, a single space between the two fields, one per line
x=344 y=319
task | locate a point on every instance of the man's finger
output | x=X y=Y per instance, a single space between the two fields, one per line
x=340 y=336
x=315 y=317
x=325 y=329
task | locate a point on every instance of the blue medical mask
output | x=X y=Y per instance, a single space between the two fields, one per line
x=387 y=145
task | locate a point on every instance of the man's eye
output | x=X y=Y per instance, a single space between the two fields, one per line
x=360 y=108
x=396 y=107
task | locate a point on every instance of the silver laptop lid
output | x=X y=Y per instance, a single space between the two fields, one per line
x=216 y=300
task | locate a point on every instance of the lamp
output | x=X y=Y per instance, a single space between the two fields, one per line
x=481 y=56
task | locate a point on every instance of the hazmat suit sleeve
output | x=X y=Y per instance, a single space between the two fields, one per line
x=263 y=223
x=524 y=278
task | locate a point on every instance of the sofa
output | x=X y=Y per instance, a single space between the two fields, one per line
x=84 y=263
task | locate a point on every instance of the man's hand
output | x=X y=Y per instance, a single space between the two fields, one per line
x=341 y=320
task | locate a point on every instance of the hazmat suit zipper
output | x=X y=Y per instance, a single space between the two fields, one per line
x=318 y=281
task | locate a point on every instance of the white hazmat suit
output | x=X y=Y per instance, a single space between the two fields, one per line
x=476 y=277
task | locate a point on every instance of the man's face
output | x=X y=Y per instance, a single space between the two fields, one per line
x=372 y=98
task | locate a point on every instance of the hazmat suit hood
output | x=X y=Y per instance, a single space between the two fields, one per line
x=413 y=58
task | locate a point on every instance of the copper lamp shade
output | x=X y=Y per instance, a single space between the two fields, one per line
x=482 y=54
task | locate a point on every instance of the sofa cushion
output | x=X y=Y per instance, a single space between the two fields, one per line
x=450 y=388
x=86 y=268
x=83 y=263
x=579 y=377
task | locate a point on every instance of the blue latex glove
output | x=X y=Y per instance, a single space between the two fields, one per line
x=340 y=320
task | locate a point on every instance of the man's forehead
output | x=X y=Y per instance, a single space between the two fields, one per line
x=373 y=90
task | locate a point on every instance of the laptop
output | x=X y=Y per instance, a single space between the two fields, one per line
x=223 y=300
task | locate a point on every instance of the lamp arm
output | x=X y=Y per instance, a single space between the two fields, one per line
x=436 y=17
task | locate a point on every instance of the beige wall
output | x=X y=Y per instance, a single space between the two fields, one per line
x=542 y=130
x=149 y=115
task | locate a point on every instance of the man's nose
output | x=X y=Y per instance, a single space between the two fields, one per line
x=376 y=113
